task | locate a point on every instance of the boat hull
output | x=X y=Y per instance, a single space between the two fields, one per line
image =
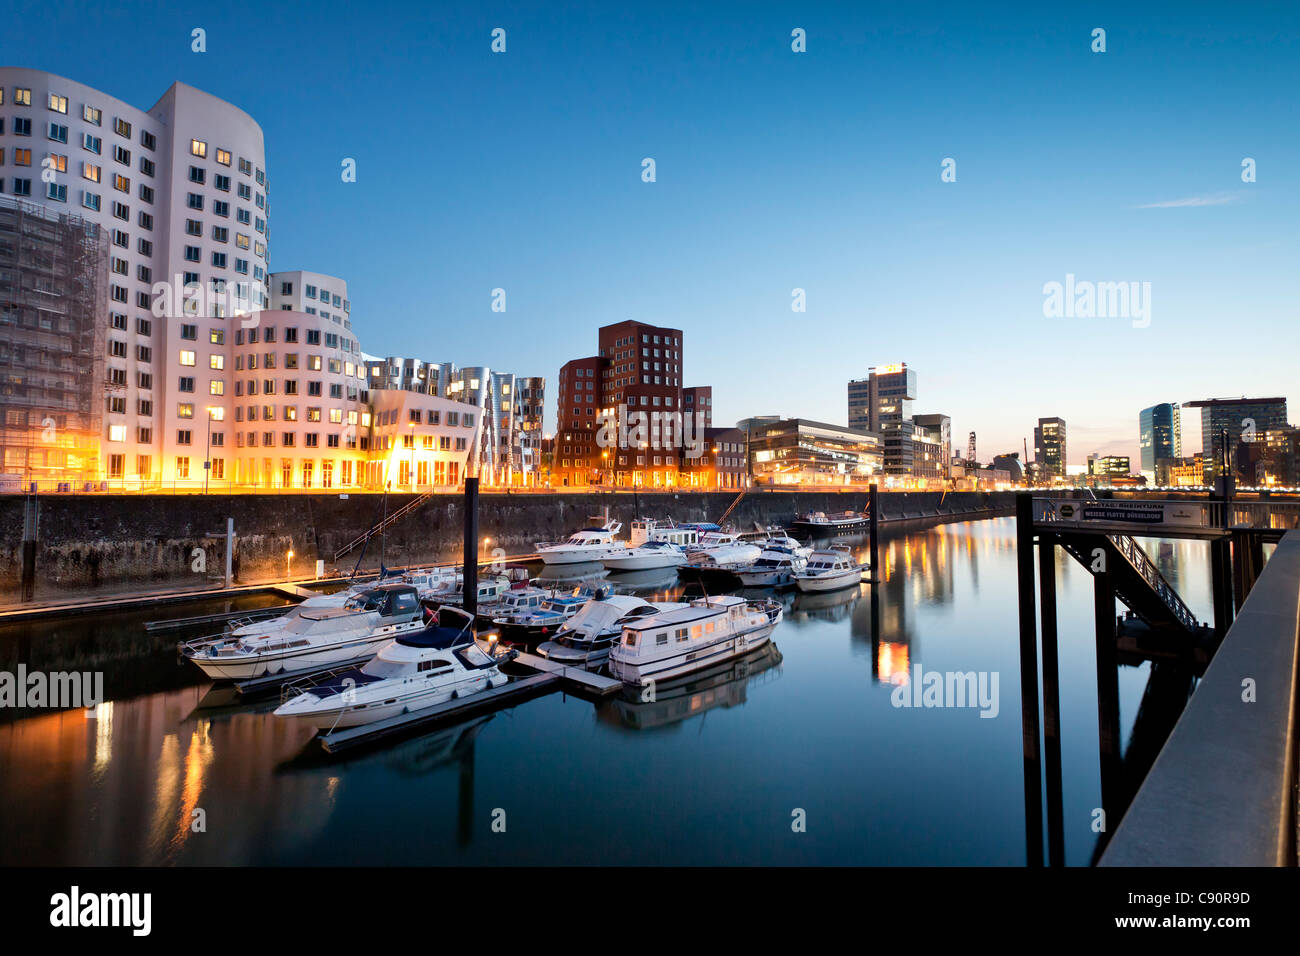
x=291 y=661
x=643 y=562
x=641 y=674
x=830 y=582
x=341 y=716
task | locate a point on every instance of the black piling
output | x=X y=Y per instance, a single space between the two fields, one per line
x=1029 y=679
x=873 y=526
x=470 y=576
x=1108 y=733
x=1051 y=702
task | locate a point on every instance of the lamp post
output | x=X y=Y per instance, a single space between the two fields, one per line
x=411 y=434
x=207 y=454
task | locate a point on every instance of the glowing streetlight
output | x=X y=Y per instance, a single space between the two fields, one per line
x=288 y=556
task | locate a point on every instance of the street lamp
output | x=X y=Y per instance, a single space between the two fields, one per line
x=207 y=454
x=411 y=434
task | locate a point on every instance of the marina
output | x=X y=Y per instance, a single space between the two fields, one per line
x=166 y=741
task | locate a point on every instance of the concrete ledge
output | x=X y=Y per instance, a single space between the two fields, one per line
x=1221 y=791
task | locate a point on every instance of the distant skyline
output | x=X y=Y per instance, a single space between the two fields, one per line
x=775 y=170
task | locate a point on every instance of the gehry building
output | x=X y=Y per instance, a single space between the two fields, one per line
x=145 y=344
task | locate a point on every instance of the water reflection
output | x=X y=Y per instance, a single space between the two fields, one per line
x=726 y=685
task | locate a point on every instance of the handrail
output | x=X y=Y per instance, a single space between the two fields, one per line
x=386 y=522
x=1142 y=563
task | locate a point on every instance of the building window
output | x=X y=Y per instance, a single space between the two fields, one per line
x=199 y=148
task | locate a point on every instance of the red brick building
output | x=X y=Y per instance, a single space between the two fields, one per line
x=620 y=412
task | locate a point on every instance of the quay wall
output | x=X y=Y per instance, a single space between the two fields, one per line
x=90 y=545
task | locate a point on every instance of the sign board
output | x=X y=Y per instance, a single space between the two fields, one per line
x=1187 y=514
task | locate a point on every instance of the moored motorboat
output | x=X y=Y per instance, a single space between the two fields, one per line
x=830 y=570
x=414 y=672
x=705 y=632
x=646 y=557
x=720 y=554
x=589 y=544
x=773 y=569
x=820 y=524
x=528 y=626
x=315 y=638
x=584 y=640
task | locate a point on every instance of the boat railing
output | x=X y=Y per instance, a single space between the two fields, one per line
x=295 y=688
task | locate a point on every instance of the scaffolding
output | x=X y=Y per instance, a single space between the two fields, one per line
x=53 y=288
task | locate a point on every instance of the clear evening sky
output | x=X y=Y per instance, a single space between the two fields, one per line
x=775 y=170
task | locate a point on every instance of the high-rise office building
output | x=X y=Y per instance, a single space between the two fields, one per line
x=1050 y=448
x=1160 y=435
x=1240 y=419
x=882 y=403
x=932 y=456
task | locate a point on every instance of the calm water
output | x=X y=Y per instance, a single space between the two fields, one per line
x=710 y=774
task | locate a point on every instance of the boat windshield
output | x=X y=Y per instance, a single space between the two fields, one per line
x=384 y=669
x=366 y=601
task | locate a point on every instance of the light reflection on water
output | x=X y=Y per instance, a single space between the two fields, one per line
x=709 y=773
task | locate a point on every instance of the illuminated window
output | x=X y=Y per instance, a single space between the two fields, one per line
x=117 y=433
x=187 y=358
x=199 y=148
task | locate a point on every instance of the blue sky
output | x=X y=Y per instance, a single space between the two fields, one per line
x=775 y=171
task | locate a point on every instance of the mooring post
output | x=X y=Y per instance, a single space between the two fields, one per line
x=230 y=552
x=31 y=517
x=873 y=526
x=1051 y=701
x=1221 y=584
x=1029 y=678
x=470 y=576
x=1108 y=743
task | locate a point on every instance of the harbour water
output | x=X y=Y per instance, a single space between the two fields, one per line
x=798 y=755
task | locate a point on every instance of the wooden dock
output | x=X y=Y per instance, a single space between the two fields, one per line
x=581 y=678
x=517 y=690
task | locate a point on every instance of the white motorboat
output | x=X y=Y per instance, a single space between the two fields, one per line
x=773 y=569
x=719 y=553
x=830 y=570
x=411 y=673
x=492 y=591
x=315 y=638
x=584 y=640
x=783 y=542
x=645 y=530
x=646 y=557
x=424 y=580
x=705 y=632
x=589 y=544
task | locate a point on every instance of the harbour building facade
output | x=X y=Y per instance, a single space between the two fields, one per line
x=800 y=451
x=1160 y=435
x=1050 y=448
x=623 y=416
x=882 y=403
x=1236 y=420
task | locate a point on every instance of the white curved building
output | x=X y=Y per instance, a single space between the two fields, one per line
x=177 y=194
x=145 y=345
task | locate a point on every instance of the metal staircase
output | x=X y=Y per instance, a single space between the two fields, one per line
x=1138 y=583
x=387 y=522
x=732 y=507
